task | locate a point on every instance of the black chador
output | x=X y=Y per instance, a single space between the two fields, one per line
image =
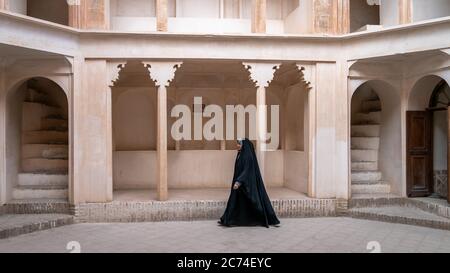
x=248 y=204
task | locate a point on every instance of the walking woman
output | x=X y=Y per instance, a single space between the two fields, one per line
x=248 y=204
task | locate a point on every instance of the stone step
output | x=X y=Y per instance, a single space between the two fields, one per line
x=369 y=176
x=38 y=206
x=365 y=143
x=367 y=118
x=42 y=165
x=363 y=200
x=401 y=215
x=364 y=155
x=365 y=130
x=371 y=105
x=54 y=124
x=33 y=114
x=371 y=188
x=436 y=206
x=17 y=224
x=40 y=192
x=45 y=151
x=31 y=179
x=35 y=96
x=364 y=166
x=45 y=137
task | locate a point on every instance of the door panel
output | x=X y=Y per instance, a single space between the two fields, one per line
x=419 y=154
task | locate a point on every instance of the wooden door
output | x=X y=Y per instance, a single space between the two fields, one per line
x=419 y=153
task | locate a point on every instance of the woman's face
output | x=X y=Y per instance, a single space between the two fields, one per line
x=239 y=146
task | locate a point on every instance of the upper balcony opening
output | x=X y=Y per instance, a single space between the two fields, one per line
x=364 y=15
x=234 y=16
x=205 y=16
x=56 y=11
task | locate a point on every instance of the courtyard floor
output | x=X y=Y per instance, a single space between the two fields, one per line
x=295 y=235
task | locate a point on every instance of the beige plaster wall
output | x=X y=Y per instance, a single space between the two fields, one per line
x=14 y=100
x=326 y=180
x=134 y=118
x=296 y=171
x=295 y=118
x=134 y=15
x=187 y=169
x=299 y=20
x=425 y=9
x=93 y=152
x=390 y=153
x=389 y=12
x=18 y=6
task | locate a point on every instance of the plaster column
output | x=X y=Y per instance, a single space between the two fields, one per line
x=308 y=72
x=161 y=15
x=162 y=73
x=261 y=74
x=4 y=4
x=327 y=145
x=74 y=13
x=259 y=13
x=405 y=11
x=448 y=156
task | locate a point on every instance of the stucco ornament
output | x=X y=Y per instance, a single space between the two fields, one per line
x=73 y=2
x=162 y=72
x=373 y=2
x=261 y=73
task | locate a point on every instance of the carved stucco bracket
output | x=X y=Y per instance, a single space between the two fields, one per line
x=262 y=73
x=114 y=69
x=73 y=2
x=162 y=72
x=307 y=73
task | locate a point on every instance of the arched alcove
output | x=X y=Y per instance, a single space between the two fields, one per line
x=376 y=139
x=427 y=137
x=37 y=141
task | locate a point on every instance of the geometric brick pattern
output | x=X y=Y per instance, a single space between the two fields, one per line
x=185 y=210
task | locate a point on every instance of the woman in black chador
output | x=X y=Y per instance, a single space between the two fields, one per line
x=248 y=204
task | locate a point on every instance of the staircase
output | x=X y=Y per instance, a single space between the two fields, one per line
x=44 y=158
x=365 y=144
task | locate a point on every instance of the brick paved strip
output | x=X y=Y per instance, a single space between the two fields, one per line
x=14 y=225
x=377 y=202
x=402 y=215
x=42 y=207
x=155 y=211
